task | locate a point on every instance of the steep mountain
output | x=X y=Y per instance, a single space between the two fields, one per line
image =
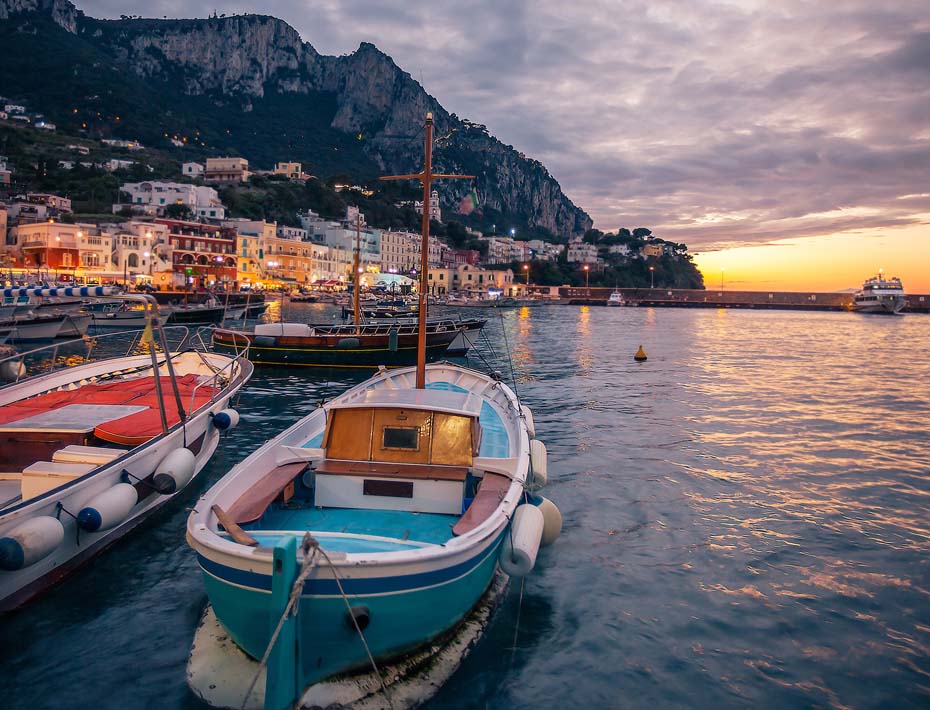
x=249 y=84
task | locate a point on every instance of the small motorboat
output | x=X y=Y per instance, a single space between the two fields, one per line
x=616 y=299
x=89 y=451
x=118 y=314
x=193 y=313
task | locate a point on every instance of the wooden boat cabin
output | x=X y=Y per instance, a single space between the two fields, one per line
x=399 y=450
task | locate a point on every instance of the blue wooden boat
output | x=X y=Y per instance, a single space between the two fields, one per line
x=407 y=493
x=414 y=496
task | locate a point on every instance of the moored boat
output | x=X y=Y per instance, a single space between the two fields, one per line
x=89 y=451
x=880 y=295
x=407 y=494
x=616 y=299
x=368 y=345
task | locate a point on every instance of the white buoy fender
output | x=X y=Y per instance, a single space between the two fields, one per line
x=175 y=471
x=226 y=419
x=12 y=370
x=108 y=509
x=552 y=520
x=528 y=417
x=521 y=543
x=539 y=460
x=30 y=542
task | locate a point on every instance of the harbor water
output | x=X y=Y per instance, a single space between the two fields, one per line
x=747 y=524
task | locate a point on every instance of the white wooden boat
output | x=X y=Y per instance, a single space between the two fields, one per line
x=87 y=452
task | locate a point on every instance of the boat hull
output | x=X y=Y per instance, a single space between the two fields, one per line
x=344 y=350
x=441 y=595
x=889 y=306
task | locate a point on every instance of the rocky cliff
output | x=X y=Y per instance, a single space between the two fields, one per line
x=252 y=62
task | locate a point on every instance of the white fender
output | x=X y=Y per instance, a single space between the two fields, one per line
x=521 y=542
x=30 y=541
x=175 y=471
x=108 y=509
x=226 y=419
x=12 y=370
x=539 y=459
x=528 y=417
x=552 y=521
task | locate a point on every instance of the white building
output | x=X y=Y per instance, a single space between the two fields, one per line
x=192 y=170
x=114 y=164
x=118 y=143
x=153 y=197
x=14 y=108
x=619 y=249
x=141 y=250
x=580 y=252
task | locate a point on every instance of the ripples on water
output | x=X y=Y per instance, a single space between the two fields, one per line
x=746 y=524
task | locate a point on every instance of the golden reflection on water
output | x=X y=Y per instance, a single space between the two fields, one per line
x=584 y=352
x=523 y=355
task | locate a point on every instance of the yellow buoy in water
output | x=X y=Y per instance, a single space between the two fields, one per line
x=640 y=355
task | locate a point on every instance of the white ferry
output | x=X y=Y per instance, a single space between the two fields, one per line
x=880 y=295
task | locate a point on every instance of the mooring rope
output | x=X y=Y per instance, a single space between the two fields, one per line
x=292 y=602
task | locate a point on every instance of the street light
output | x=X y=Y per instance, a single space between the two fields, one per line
x=526 y=268
x=652 y=277
x=587 y=274
x=721 y=278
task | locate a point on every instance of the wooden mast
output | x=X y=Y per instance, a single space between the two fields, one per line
x=426 y=177
x=356 y=285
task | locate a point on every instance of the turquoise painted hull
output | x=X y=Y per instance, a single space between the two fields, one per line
x=401 y=620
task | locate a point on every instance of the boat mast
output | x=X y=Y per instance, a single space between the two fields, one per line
x=356 y=306
x=426 y=177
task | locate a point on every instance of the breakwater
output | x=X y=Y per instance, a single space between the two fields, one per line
x=714 y=298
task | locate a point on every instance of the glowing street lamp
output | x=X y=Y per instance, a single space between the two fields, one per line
x=526 y=269
x=652 y=277
x=587 y=274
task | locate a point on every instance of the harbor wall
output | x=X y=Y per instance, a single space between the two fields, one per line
x=712 y=298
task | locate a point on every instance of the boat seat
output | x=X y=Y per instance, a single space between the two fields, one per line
x=252 y=504
x=96 y=455
x=338 y=467
x=491 y=492
x=43 y=476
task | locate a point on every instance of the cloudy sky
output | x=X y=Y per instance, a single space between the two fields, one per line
x=722 y=124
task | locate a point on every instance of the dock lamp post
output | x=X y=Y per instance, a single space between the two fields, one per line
x=721 y=278
x=526 y=270
x=587 y=274
x=652 y=277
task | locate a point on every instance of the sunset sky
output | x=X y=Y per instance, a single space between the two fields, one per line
x=783 y=140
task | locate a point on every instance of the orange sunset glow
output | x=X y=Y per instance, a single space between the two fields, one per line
x=835 y=262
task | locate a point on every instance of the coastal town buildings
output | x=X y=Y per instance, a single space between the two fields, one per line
x=227 y=170
x=153 y=198
x=202 y=255
x=471 y=280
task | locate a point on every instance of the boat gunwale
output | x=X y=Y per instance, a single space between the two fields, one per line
x=206 y=540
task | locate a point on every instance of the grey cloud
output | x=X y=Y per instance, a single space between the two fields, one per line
x=665 y=114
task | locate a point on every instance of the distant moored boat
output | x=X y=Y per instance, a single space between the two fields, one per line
x=880 y=295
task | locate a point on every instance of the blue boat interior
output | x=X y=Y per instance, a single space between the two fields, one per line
x=369 y=527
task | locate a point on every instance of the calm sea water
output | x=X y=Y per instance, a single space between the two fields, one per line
x=747 y=523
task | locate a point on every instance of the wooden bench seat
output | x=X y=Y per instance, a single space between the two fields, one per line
x=337 y=467
x=491 y=492
x=252 y=504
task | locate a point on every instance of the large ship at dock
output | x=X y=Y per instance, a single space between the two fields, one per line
x=880 y=295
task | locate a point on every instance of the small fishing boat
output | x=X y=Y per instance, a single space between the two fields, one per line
x=193 y=313
x=26 y=326
x=87 y=452
x=367 y=345
x=370 y=528
x=118 y=314
x=74 y=325
x=880 y=295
